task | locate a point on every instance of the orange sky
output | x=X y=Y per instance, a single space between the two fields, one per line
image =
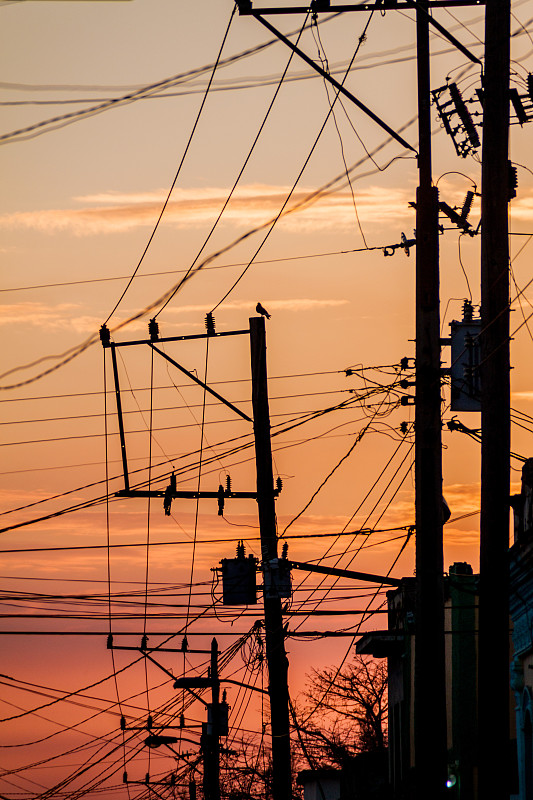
x=80 y=201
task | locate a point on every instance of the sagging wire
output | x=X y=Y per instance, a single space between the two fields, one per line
x=269 y=227
x=326 y=479
x=241 y=171
x=364 y=542
x=178 y=172
x=325 y=66
x=326 y=189
x=366 y=615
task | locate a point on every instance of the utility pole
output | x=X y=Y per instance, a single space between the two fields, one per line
x=430 y=680
x=211 y=733
x=493 y=656
x=430 y=724
x=274 y=634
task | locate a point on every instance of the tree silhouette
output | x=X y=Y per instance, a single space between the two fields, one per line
x=344 y=712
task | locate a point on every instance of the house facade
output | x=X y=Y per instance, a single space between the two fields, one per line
x=521 y=609
x=397 y=644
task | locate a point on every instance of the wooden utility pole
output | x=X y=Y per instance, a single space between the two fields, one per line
x=274 y=634
x=430 y=685
x=493 y=657
x=211 y=733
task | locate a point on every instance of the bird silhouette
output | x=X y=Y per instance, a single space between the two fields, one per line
x=260 y=310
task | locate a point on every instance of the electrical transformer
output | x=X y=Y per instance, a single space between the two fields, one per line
x=277 y=578
x=239 y=586
x=465 y=358
x=223 y=716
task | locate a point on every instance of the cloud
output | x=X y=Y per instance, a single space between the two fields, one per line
x=38 y=314
x=522 y=395
x=65 y=316
x=522 y=208
x=462 y=498
x=293 y=304
x=252 y=205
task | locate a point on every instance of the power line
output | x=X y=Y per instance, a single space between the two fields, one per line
x=178 y=171
x=184 y=271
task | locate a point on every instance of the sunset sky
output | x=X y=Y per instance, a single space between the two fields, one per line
x=105 y=119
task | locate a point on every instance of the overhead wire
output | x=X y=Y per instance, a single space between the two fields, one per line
x=71 y=353
x=243 y=167
x=277 y=430
x=269 y=227
x=325 y=66
x=134 y=94
x=178 y=171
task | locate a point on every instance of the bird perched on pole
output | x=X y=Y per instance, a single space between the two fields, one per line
x=260 y=310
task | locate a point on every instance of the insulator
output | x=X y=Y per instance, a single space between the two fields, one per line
x=169 y=495
x=467 y=205
x=182 y=720
x=403 y=427
x=464 y=115
x=513 y=180
x=105 y=335
x=167 y=501
x=348 y=372
x=285 y=550
x=468 y=311
x=210 y=324
x=320 y=5
x=224 y=696
x=144 y=642
x=147 y=778
x=149 y=722
x=450 y=212
x=123 y=723
x=220 y=499
x=279 y=484
x=124 y=777
x=110 y=641
x=228 y=484
x=404 y=362
x=184 y=644
x=241 y=551
x=516 y=102
x=173 y=779
x=530 y=86
x=153 y=330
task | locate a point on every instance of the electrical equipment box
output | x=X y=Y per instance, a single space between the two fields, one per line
x=223 y=716
x=277 y=578
x=239 y=585
x=465 y=359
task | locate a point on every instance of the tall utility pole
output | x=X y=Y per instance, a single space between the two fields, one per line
x=211 y=733
x=430 y=681
x=493 y=658
x=274 y=634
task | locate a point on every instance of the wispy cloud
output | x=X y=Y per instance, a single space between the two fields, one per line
x=251 y=205
x=462 y=498
x=522 y=208
x=67 y=316
x=40 y=315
